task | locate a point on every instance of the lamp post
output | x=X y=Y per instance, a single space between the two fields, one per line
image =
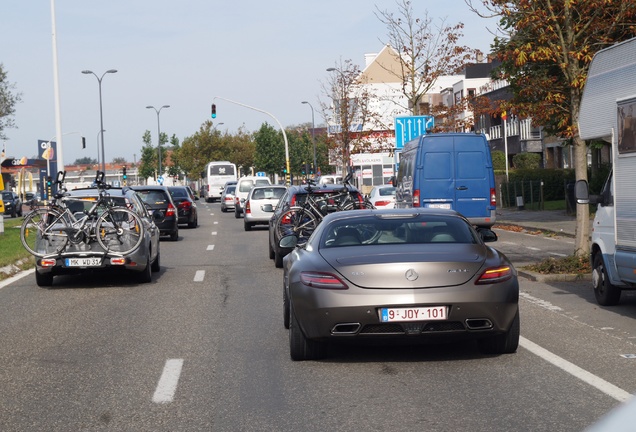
x=101 y=117
x=313 y=137
x=214 y=127
x=344 y=120
x=158 y=132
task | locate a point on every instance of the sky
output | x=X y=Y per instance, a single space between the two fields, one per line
x=271 y=55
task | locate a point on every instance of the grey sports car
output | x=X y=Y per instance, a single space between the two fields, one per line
x=416 y=274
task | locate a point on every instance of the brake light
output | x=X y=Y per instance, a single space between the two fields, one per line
x=495 y=275
x=382 y=203
x=493 y=197
x=416 y=198
x=247 y=207
x=322 y=280
x=170 y=211
x=48 y=262
x=185 y=205
x=293 y=200
x=119 y=261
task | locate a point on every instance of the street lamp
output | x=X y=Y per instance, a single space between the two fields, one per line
x=313 y=137
x=158 y=132
x=214 y=127
x=101 y=117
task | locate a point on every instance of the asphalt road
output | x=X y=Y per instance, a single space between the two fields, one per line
x=203 y=348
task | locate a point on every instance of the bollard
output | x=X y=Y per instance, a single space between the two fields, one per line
x=1 y=223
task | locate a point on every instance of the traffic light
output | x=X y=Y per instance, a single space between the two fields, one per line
x=213 y=110
x=123 y=173
x=311 y=168
x=49 y=181
x=303 y=169
x=83 y=142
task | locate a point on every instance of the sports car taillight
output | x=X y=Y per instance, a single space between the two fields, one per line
x=170 y=210
x=494 y=275
x=322 y=280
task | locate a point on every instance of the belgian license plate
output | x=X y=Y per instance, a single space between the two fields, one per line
x=439 y=206
x=414 y=314
x=83 y=262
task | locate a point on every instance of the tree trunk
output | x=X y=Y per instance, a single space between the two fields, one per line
x=582 y=239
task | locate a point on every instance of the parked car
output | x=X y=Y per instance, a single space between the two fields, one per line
x=257 y=197
x=296 y=196
x=162 y=207
x=382 y=196
x=413 y=274
x=243 y=187
x=227 y=198
x=186 y=205
x=31 y=198
x=81 y=257
x=12 y=203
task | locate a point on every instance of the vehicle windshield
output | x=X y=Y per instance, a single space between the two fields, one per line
x=372 y=230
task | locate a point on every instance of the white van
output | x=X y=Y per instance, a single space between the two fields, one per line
x=243 y=187
x=330 y=179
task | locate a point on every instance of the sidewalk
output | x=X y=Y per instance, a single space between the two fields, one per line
x=557 y=221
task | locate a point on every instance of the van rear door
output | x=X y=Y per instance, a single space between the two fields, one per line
x=456 y=174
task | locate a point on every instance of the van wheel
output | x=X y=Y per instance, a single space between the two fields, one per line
x=606 y=294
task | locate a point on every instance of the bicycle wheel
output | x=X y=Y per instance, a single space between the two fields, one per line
x=44 y=231
x=296 y=221
x=354 y=205
x=119 y=230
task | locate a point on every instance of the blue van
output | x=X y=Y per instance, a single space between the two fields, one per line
x=451 y=171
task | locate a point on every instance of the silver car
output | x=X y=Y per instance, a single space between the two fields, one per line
x=257 y=197
x=412 y=274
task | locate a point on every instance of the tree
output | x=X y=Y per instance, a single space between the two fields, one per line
x=148 y=161
x=545 y=54
x=349 y=113
x=85 y=161
x=8 y=100
x=270 y=149
x=119 y=160
x=425 y=52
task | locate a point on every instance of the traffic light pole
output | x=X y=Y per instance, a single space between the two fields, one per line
x=279 y=125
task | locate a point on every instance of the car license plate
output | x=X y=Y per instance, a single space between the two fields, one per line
x=83 y=262
x=439 y=206
x=413 y=314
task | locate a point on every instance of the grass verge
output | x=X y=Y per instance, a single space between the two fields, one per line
x=12 y=251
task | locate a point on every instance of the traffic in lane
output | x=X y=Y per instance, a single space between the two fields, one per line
x=94 y=354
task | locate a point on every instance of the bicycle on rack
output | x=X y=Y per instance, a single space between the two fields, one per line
x=47 y=230
x=302 y=220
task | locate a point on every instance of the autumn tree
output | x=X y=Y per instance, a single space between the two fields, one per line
x=545 y=52
x=348 y=108
x=425 y=51
x=8 y=100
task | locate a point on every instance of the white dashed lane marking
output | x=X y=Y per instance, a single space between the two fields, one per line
x=167 y=385
x=199 y=276
x=210 y=247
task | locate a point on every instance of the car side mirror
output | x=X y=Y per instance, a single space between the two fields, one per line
x=582 y=192
x=487 y=235
x=289 y=241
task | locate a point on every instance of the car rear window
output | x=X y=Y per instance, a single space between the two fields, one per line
x=386 y=191
x=153 y=197
x=179 y=193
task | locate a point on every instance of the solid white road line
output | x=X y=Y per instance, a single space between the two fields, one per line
x=585 y=376
x=199 y=275
x=210 y=247
x=168 y=382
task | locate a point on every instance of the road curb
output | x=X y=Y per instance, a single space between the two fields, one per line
x=557 y=277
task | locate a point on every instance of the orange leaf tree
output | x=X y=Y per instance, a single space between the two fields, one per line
x=545 y=54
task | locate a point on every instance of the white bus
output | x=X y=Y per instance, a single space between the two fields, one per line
x=216 y=175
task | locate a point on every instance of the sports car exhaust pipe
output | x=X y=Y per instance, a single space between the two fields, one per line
x=345 y=329
x=478 y=323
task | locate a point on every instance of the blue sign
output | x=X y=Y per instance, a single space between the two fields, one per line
x=260 y=174
x=408 y=128
x=160 y=180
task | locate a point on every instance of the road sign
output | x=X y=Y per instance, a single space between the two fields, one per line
x=260 y=174
x=408 y=128
x=160 y=180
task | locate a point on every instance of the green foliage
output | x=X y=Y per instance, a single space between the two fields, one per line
x=8 y=101
x=85 y=161
x=526 y=161
x=498 y=160
x=270 y=149
x=572 y=264
x=11 y=249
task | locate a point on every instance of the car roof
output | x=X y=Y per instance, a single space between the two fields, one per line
x=388 y=213
x=297 y=189
x=149 y=187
